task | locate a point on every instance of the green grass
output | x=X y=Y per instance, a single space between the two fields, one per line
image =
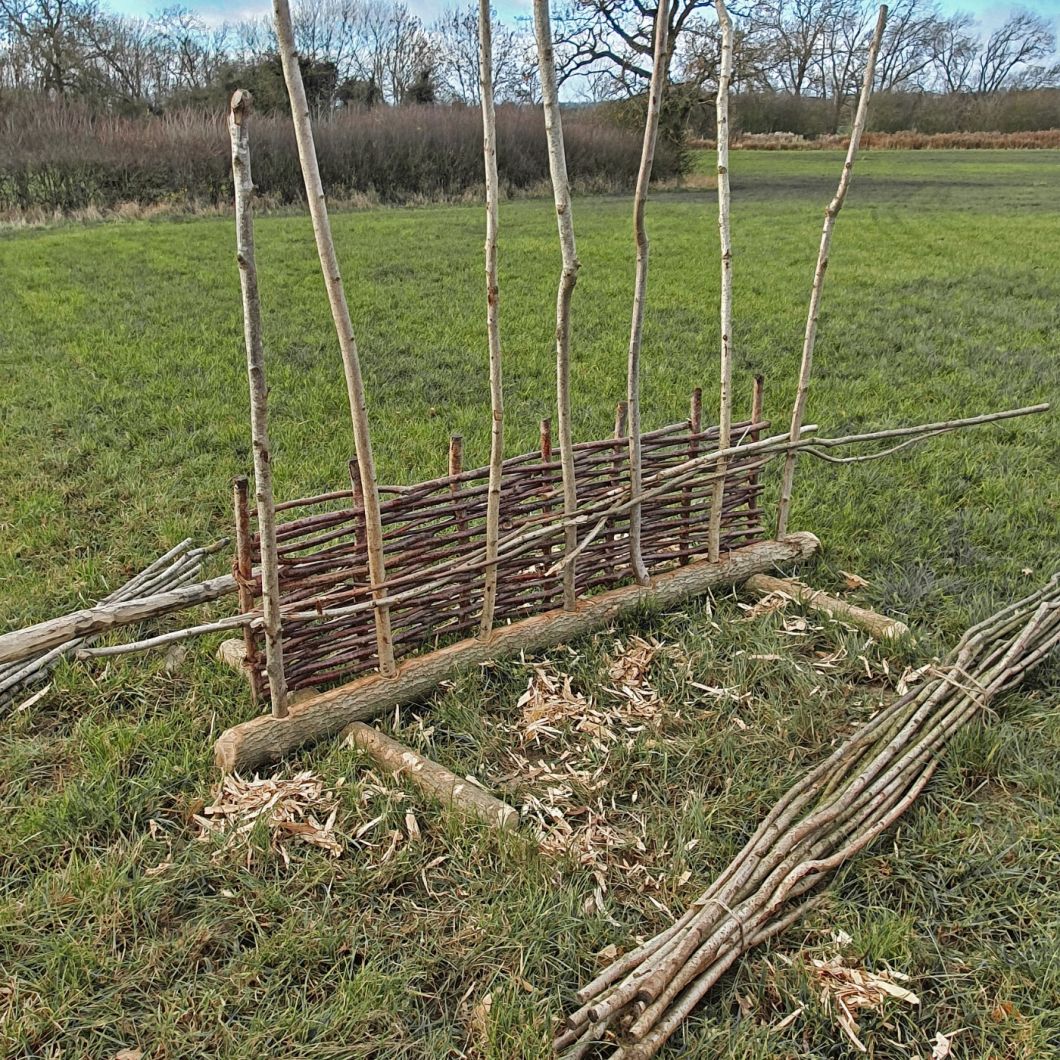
x=122 y=421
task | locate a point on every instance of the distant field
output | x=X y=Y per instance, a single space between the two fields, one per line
x=123 y=420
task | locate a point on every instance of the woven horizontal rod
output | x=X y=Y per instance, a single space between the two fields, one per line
x=266 y=739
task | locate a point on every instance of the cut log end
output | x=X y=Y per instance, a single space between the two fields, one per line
x=266 y=739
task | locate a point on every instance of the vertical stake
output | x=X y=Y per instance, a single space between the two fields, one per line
x=695 y=425
x=243 y=568
x=456 y=467
x=546 y=458
x=259 y=414
x=621 y=429
x=757 y=415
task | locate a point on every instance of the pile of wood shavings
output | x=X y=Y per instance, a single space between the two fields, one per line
x=564 y=791
x=298 y=809
x=846 y=989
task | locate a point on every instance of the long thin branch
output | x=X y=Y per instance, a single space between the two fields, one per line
x=239 y=111
x=810 y=338
x=725 y=406
x=340 y=312
x=659 y=75
x=557 y=164
x=489 y=150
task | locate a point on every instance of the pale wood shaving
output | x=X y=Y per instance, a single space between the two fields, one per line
x=297 y=809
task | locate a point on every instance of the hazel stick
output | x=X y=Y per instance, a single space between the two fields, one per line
x=640 y=285
x=238 y=112
x=489 y=150
x=725 y=405
x=557 y=164
x=830 y=215
x=340 y=312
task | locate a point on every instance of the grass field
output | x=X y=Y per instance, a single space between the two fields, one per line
x=122 y=421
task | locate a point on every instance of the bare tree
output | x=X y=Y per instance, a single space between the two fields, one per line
x=1007 y=56
x=456 y=39
x=613 y=41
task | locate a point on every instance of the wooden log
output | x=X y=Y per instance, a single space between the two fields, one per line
x=876 y=625
x=453 y=792
x=266 y=739
x=24 y=642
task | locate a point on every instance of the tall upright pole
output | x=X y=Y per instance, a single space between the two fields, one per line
x=830 y=215
x=493 y=328
x=557 y=164
x=243 y=182
x=340 y=313
x=717 y=499
x=640 y=286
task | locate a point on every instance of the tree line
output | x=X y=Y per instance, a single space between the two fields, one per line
x=374 y=52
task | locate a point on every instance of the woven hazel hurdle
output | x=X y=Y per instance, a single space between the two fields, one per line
x=439 y=526
x=355 y=581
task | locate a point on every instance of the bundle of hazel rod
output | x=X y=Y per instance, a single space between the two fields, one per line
x=830 y=815
x=181 y=565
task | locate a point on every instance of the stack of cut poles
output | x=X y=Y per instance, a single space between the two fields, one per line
x=836 y=810
x=181 y=565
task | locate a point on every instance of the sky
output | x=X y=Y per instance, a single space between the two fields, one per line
x=990 y=12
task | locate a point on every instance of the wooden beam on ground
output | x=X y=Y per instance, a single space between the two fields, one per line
x=455 y=793
x=22 y=643
x=265 y=739
x=876 y=625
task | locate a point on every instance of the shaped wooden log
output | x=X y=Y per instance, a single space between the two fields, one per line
x=876 y=625
x=455 y=793
x=265 y=739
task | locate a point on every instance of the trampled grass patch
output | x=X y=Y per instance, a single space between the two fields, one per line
x=122 y=420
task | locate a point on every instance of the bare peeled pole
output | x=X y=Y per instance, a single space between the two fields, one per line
x=830 y=815
x=830 y=215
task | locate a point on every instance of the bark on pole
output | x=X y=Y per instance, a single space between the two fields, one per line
x=239 y=133
x=557 y=164
x=265 y=739
x=830 y=215
x=717 y=499
x=340 y=312
x=640 y=286
x=493 y=328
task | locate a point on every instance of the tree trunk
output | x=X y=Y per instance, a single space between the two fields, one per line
x=489 y=151
x=717 y=499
